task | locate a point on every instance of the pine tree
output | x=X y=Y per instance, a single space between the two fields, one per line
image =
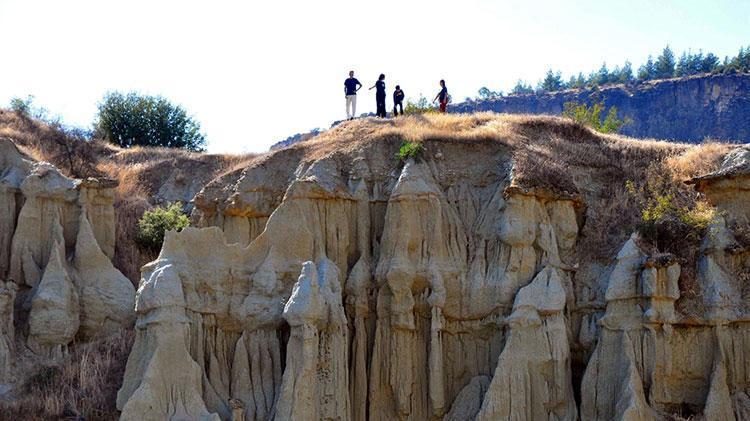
x=522 y=88
x=602 y=76
x=664 y=66
x=552 y=82
x=682 y=66
x=710 y=63
x=626 y=73
x=647 y=71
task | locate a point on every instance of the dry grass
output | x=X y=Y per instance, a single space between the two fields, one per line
x=140 y=172
x=84 y=386
x=698 y=160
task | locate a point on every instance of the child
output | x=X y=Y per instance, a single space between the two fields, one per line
x=398 y=99
x=442 y=96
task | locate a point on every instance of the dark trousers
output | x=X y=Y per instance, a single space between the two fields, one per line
x=396 y=106
x=380 y=102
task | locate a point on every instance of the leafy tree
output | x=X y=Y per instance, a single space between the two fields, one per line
x=487 y=94
x=552 y=82
x=592 y=116
x=22 y=106
x=522 y=88
x=133 y=119
x=665 y=64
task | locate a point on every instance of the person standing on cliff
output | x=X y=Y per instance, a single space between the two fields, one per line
x=442 y=96
x=351 y=86
x=398 y=100
x=380 y=95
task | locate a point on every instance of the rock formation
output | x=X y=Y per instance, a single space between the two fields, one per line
x=686 y=109
x=57 y=236
x=332 y=280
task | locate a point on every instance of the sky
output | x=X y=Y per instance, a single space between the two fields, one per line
x=254 y=72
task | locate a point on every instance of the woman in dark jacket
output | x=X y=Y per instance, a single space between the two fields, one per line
x=380 y=95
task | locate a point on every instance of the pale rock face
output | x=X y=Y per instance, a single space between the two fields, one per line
x=54 y=317
x=351 y=287
x=468 y=402
x=13 y=169
x=56 y=241
x=532 y=380
x=107 y=296
x=315 y=384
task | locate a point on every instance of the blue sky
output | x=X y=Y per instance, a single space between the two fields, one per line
x=254 y=73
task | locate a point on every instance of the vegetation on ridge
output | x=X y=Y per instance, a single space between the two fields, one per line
x=143 y=120
x=591 y=116
x=666 y=65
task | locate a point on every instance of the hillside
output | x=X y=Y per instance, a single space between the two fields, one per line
x=513 y=267
x=688 y=109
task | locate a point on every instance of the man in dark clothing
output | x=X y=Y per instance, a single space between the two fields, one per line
x=380 y=96
x=351 y=86
x=398 y=99
x=442 y=96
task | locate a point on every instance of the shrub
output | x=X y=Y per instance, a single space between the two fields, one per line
x=420 y=106
x=22 y=106
x=132 y=119
x=592 y=116
x=156 y=222
x=673 y=219
x=409 y=149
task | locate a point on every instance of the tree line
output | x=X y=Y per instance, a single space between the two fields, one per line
x=666 y=65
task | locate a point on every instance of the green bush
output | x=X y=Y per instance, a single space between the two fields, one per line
x=155 y=223
x=592 y=116
x=671 y=220
x=409 y=149
x=142 y=120
x=22 y=106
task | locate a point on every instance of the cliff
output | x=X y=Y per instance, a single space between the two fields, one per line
x=688 y=109
x=500 y=273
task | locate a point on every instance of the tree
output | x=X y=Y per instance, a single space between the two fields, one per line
x=552 y=82
x=665 y=63
x=522 y=88
x=647 y=71
x=626 y=73
x=592 y=116
x=602 y=76
x=710 y=63
x=487 y=94
x=133 y=119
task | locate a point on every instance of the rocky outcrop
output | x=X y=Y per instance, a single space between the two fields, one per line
x=646 y=363
x=333 y=281
x=686 y=109
x=532 y=380
x=57 y=236
x=408 y=276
